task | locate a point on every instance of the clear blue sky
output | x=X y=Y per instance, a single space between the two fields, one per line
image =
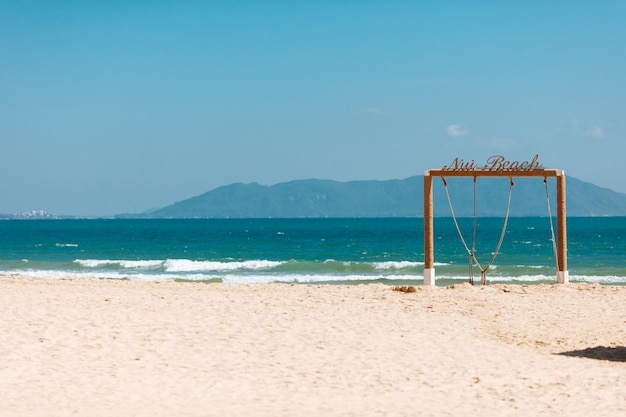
x=112 y=106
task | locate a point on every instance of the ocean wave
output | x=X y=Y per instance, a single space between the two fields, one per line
x=112 y=275
x=98 y=263
x=397 y=265
x=388 y=265
x=179 y=265
x=242 y=278
x=313 y=278
x=186 y=265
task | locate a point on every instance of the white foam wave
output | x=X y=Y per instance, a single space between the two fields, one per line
x=549 y=278
x=59 y=274
x=308 y=279
x=186 y=265
x=397 y=265
x=179 y=265
x=387 y=265
x=610 y=279
x=292 y=278
x=263 y=278
x=97 y=263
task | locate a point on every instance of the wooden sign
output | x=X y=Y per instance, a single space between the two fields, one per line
x=493 y=163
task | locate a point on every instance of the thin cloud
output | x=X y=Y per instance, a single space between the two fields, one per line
x=456 y=130
x=595 y=132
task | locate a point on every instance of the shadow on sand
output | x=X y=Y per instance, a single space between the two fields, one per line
x=613 y=354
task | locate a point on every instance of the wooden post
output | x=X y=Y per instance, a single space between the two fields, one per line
x=561 y=230
x=429 y=252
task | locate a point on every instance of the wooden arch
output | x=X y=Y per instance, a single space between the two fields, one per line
x=497 y=166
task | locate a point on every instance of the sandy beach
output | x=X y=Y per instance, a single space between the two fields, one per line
x=89 y=347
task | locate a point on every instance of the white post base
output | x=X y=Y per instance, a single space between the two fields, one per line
x=562 y=277
x=429 y=276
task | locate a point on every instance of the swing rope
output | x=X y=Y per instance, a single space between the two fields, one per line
x=473 y=260
x=554 y=247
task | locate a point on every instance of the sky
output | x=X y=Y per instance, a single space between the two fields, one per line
x=110 y=107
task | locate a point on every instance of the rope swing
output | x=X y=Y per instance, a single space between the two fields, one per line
x=496 y=166
x=554 y=243
x=473 y=260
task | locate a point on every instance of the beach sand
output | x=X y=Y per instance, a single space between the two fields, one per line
x=89 y=347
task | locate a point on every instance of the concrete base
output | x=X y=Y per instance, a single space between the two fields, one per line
x=562 y=277
x=429 y=276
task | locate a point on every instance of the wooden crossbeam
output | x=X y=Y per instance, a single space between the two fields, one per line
x=485 y=172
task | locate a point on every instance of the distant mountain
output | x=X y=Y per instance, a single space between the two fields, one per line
x=393 y=198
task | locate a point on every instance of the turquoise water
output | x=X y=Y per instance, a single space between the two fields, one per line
x=306 y=250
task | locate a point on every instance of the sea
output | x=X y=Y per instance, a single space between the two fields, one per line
x=309 y=250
